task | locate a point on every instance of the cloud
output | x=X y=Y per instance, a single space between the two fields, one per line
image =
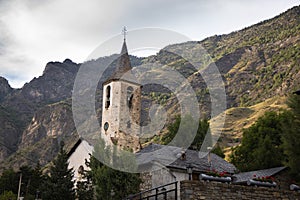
x=34 y=32
x=43 y=31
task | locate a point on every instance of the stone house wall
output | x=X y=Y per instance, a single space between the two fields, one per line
x=214 y=190
x=146 y=181
x=283 y=180
x=161 y=177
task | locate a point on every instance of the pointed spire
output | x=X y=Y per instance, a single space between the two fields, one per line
x=123 y=62
x=124 y=49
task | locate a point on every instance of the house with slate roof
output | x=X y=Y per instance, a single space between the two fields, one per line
x=280 y=174
x=168 y=164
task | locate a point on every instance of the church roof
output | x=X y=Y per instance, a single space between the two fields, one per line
x=123 y=65
x=161 y=153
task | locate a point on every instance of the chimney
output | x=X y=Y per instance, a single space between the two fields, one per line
x=183 y=155
x=209 y=157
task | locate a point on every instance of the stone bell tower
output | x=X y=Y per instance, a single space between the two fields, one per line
x=121 y=111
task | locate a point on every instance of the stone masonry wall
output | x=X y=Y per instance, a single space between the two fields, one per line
x=214 y=190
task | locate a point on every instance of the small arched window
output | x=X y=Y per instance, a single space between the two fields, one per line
x=107 y=97
x=128 y=124
x=81 y=170
x=129 y=96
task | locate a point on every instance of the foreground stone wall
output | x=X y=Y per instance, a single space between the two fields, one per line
x=214 y=190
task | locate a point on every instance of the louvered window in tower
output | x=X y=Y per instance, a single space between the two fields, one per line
x=129 y=96
x=107 y=102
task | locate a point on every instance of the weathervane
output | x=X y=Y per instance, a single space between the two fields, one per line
x=124 y=32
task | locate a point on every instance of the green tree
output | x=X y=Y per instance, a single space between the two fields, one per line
x=37 y=180
x=31 y=181
x=218 y=151
x=9 y=181
x=201 y=133
x=111 y=183
x=261 y=145
x=172 y=131
x=84 y=187
x=291 y=136
x=8 y=195
x=186 y=123
x=59 y=184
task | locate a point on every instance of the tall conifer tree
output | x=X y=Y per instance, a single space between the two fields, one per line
x=59 y=184
x=291 y=136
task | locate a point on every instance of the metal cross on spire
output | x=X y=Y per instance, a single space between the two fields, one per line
x=124 y=32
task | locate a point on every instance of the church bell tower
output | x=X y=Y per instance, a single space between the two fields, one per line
x=121 y=110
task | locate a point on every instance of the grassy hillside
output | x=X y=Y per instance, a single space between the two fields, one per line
x=239 y=118
x=260 y=66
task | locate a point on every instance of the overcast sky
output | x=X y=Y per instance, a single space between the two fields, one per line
x=34 y=32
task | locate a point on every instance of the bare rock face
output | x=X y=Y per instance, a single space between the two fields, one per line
x=54 y=85
x=5 y=88
x=41 y=138
x=18 y=106
x=9 y=131
x=36 y=117
x=53 y=121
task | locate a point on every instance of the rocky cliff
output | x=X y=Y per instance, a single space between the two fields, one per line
x=257 y=63
x=36 y=117
x=55 y=84
x=5 y=88
x=9 y=133
x=40 y=139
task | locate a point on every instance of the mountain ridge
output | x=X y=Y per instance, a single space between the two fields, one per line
x=256 y=63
